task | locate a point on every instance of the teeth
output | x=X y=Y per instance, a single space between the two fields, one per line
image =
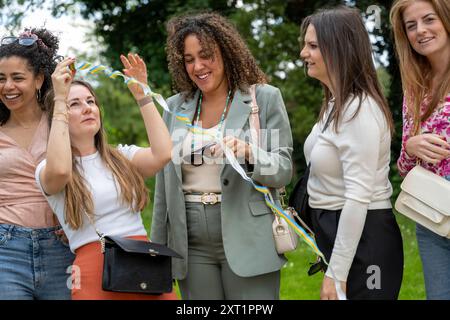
x=11 y=96
x=203 y=77
x=425 y=40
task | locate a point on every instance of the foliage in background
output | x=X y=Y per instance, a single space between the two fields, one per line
x=271 y=29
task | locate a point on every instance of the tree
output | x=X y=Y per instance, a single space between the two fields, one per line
x=271 y=30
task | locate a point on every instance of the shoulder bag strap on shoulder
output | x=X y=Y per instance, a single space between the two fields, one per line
x=254 y=117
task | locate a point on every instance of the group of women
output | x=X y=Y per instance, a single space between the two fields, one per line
x=60 y=180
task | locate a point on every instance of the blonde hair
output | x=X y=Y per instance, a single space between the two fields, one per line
x=78 y=199
x=415 y=69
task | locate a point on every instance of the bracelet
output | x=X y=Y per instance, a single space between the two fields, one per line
x=145 y=100
x=60 y=119
x=63 y=114
x=60 y=99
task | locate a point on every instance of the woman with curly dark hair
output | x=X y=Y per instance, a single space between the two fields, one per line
x=203 y=208
x=33 y=255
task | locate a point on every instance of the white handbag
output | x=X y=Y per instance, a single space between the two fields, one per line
x=285 y=238
x=425 y=198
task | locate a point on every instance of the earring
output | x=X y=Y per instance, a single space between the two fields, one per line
x=38 y=94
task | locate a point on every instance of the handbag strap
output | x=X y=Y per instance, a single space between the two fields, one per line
x=254 y=123
x=100 y=234
x=255 y=127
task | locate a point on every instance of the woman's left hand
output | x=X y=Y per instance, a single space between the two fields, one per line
x=328 y=290
x=135 y=67
x=238 y=147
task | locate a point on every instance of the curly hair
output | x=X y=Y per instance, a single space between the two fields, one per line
x=211 y=30
x=40 y=58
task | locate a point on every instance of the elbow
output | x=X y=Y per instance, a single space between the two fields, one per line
x=63 y=177
x=167 y=155
x=59 y=174
x=164 y=159
x=55 y=183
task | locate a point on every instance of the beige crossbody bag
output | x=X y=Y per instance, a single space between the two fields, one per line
x=425 y=198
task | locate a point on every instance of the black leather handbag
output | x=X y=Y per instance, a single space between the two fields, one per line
x=135 y=266
x=299 y=200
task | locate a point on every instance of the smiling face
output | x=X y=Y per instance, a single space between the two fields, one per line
x=424 y=29
x=312 y=57
x=18 y=84
x=84 y=114
x=206 y=72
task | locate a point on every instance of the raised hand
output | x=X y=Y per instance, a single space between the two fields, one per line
x=135 y=67
x=62 y=78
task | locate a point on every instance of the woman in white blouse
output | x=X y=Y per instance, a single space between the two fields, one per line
x=92 y=185
x=349 y=190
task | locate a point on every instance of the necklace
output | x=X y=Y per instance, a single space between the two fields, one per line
x=199 y=109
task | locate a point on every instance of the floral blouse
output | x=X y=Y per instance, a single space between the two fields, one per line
x=438 y=123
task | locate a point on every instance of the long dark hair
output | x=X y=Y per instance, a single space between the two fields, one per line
x=345 y=46
x=41 y=60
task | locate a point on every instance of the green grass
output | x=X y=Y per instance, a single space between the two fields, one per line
x=297 y=285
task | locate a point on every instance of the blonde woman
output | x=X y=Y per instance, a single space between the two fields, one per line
x=83 y=176
x=422 y=38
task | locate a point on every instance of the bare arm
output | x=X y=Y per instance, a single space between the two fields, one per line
x=58 y=169
x=148 y=160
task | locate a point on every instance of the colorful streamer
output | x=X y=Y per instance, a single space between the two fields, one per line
x=94 y=69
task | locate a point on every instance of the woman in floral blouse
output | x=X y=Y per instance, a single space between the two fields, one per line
x=422 y=36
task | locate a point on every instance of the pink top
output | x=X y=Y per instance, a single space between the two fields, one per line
x=21 y=201
x=438 y=123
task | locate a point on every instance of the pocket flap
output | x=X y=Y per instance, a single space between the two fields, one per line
x=418 y=206
x=136 y=246
x=429 y=188
x=258 y=208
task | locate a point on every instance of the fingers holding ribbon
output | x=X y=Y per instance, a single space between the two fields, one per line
x=62 y=78
x=240 y=148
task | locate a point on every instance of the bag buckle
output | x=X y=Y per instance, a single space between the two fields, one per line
x=254 y=108
x=209 y=198
x=153 y=253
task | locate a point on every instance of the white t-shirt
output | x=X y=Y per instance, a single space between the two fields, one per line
x=111 y=217
x=350 y=171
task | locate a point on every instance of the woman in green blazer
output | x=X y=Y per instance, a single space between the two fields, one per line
x=203 y=208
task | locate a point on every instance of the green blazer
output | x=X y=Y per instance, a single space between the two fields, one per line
x=246 y=220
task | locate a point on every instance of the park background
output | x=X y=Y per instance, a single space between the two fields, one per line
x=271 y=30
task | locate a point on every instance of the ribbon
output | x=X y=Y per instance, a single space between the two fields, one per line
x=114 y=74
x=94 y=69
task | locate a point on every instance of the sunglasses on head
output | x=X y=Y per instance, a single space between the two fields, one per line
x=23 y=41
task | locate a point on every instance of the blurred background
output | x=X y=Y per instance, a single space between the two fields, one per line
x=99 y=31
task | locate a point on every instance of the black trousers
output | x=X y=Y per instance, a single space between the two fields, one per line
x=377 y=269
